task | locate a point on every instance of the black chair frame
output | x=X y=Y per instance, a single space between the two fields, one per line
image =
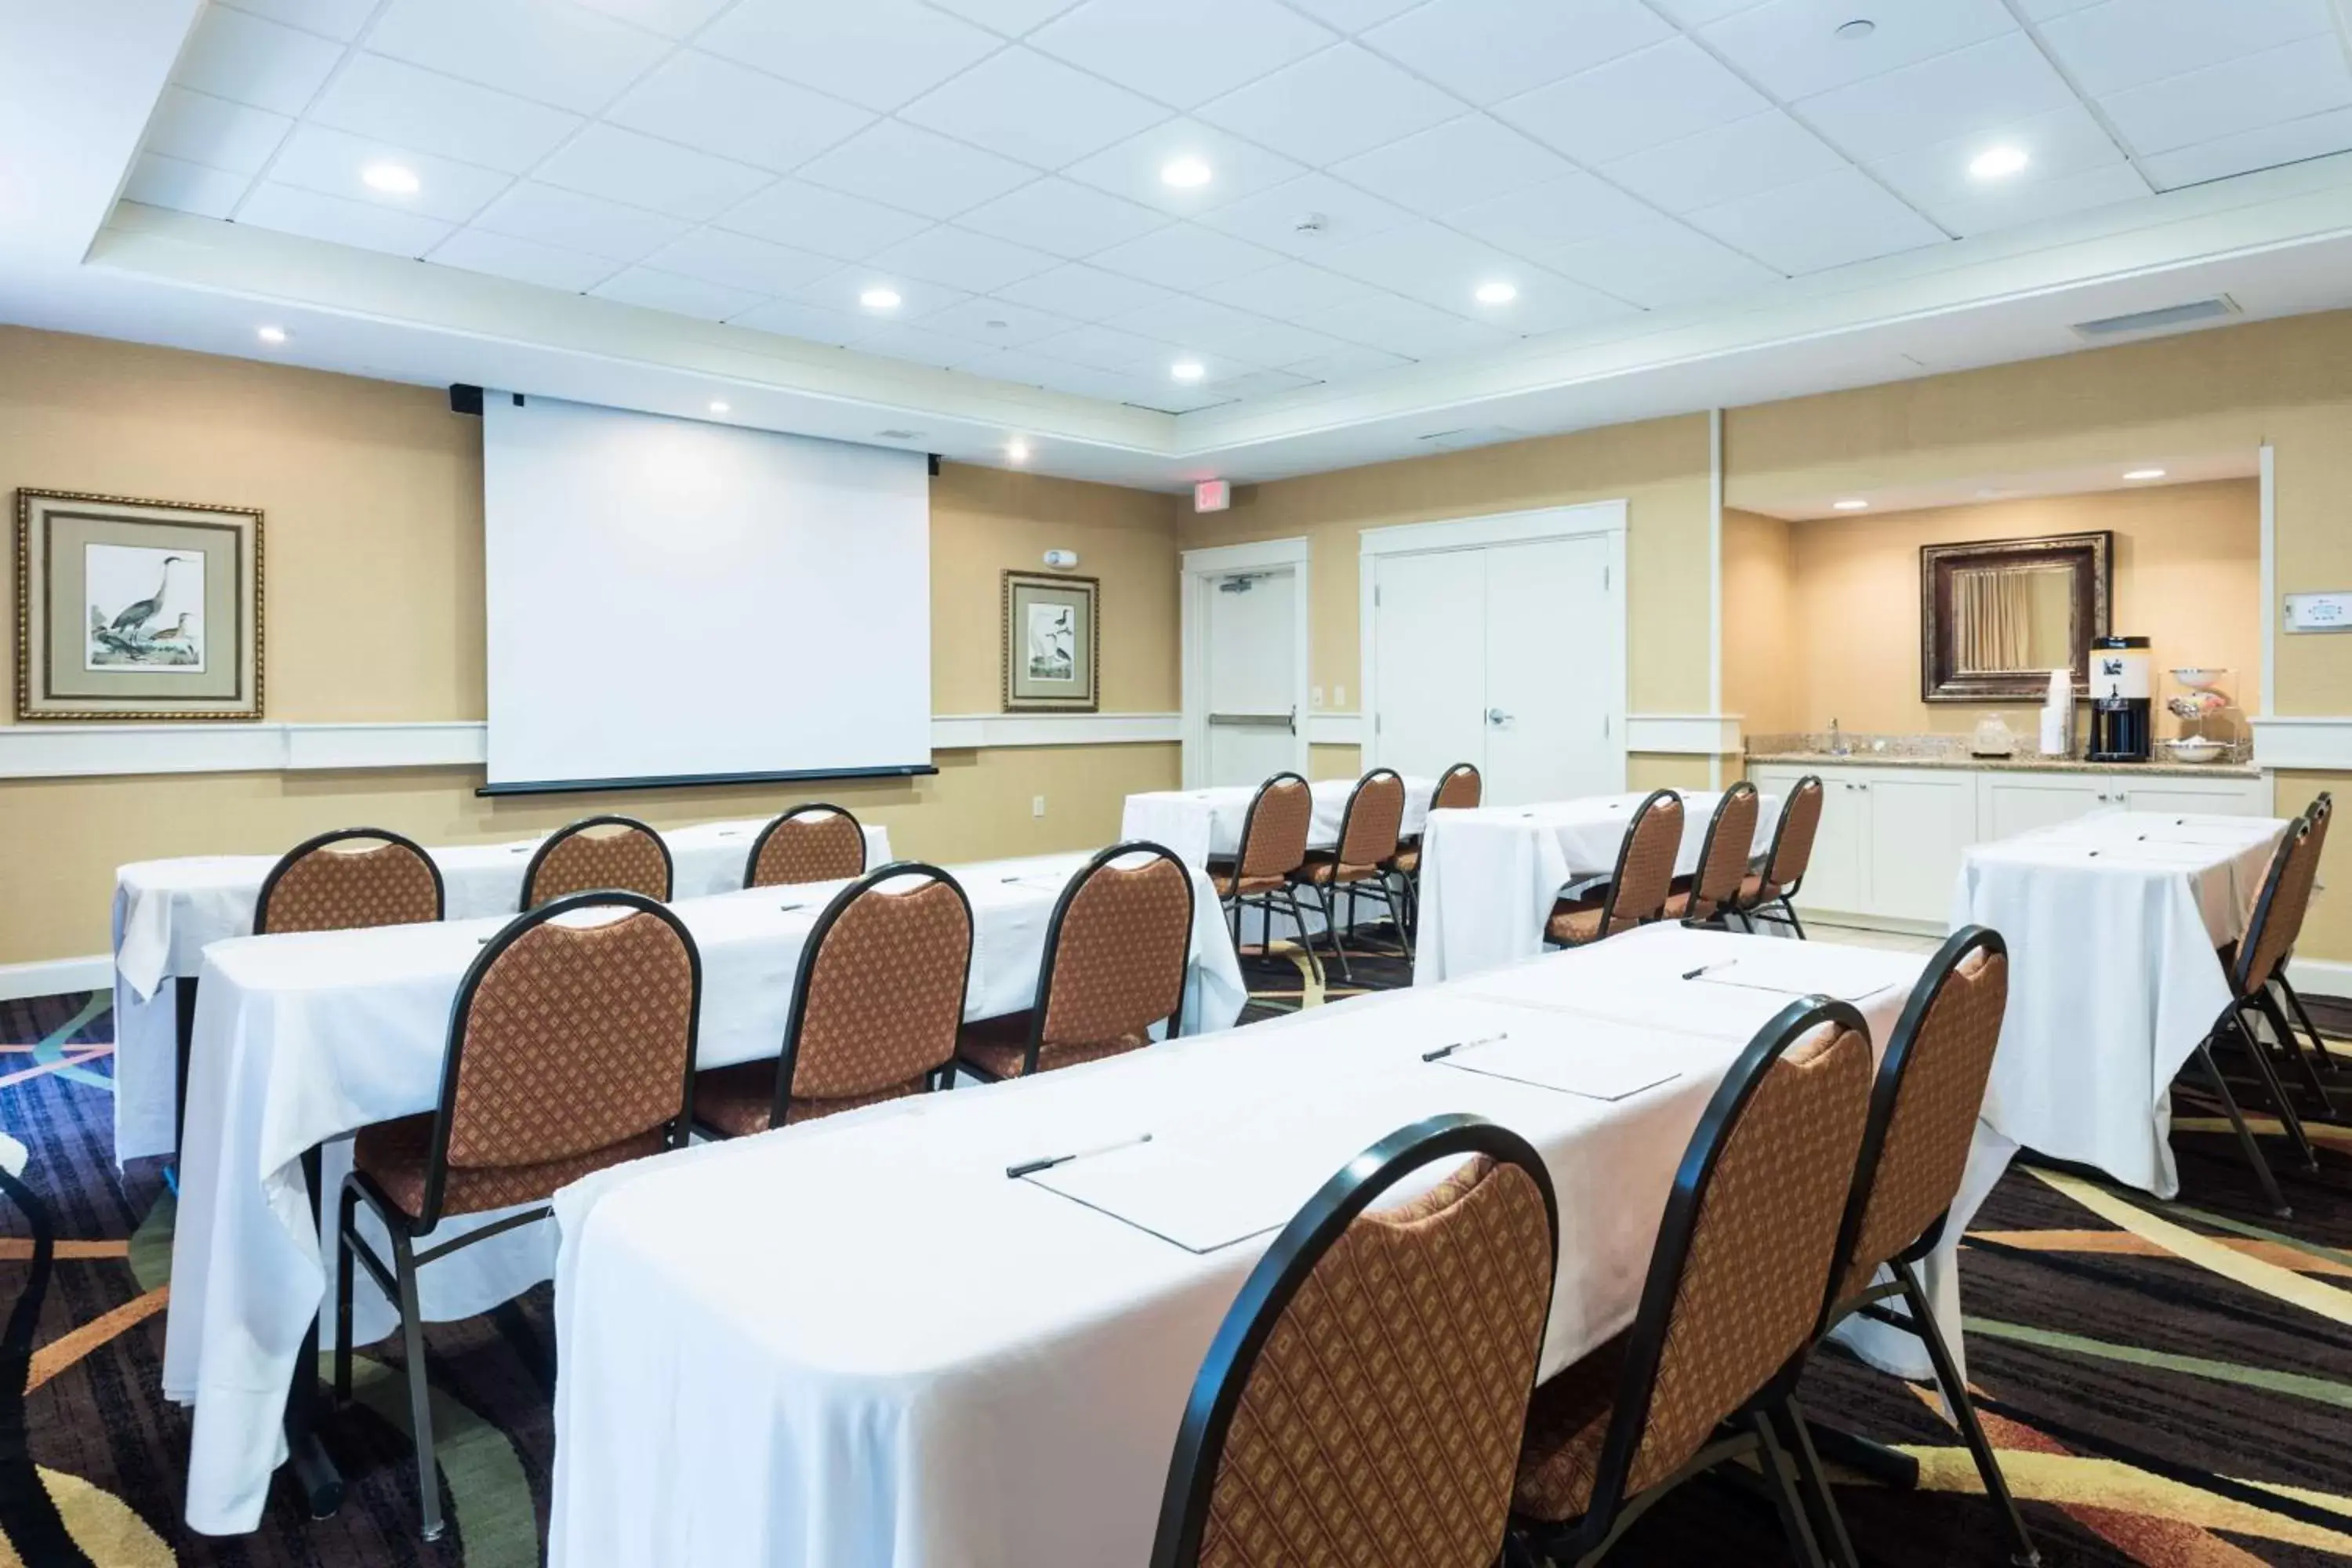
x=1250 y=1321
x=1782 y=908
x=1624 y=851
x=2323 y=1062
x=1240 y=900
x=1326 y=893
x=1719 y=918
x=398 y=1278
x=570 y=829
x=807 y=809
x=338 y=836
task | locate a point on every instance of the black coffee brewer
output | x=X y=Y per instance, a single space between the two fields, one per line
x=2121 y=728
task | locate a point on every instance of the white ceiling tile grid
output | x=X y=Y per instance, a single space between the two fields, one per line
x=997 y=164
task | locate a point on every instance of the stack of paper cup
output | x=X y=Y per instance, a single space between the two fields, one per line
x=2058 y=715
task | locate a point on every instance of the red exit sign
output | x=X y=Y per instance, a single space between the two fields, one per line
x=1212 y=495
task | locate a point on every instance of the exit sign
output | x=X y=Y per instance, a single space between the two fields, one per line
x=1212 y=495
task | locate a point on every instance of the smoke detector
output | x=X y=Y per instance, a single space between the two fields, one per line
x=1309 y=223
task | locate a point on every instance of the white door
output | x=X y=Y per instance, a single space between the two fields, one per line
x=1552 y=673
x=1837 y=876
x=1921 y=824
x=2019 y=803
x=2224 y=798
x=1429 y=648
x=1252 y=675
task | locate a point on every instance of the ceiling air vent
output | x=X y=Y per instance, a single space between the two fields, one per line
x=1470 y=436
x=2157 y=321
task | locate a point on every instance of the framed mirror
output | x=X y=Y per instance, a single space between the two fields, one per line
x=1998 y=615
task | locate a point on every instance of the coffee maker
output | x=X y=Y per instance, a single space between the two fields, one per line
x=2121 y=729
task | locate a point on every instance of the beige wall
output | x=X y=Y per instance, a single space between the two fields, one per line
x=371 y=493
x=1760 y=681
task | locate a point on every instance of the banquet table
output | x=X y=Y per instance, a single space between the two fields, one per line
x=166 y=912
x=1201 y=824
x=301 y=1040
x=1490 y=875
x=861 y=1343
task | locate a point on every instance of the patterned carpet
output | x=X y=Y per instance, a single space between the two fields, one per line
x=2170 y=1384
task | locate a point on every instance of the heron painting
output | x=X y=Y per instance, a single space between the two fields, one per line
x=145 y=608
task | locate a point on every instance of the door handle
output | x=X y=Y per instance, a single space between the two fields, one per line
x=1498 y=718
x=1294 y=717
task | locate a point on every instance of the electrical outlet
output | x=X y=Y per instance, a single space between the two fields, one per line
x=1037 y=805
x=1315 y=696
x=1338 y=697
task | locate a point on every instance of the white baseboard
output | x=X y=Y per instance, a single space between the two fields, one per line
x=54 y=977
x=2320 y=976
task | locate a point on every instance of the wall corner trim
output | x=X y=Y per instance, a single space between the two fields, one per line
x=1695 y=734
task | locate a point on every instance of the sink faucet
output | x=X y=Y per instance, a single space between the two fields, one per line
x=1839 y=745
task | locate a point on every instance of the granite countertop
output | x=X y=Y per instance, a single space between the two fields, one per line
x=2030 y=762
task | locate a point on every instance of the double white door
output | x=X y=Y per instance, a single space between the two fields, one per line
x=1252 y=652
x=1510 y=656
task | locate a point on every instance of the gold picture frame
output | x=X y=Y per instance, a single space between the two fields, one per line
x=137 y=610
x=1053 y=653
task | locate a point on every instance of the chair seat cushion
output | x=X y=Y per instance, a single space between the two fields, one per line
x=1573 y=925
x=1229 y=885
x=1754 y=889
x=1678 y=905
x=1567 y=1421
x=998 y=1046
x=739 y=1100
x=1408 y=860
x=394 y=1155
x=1323 y=868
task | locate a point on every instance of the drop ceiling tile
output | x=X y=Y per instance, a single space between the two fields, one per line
x=1455 y=164
x=1699 y=13
x=1406 y=327
x=1577 y=206
x=1185 y=256
x=1131 y=169
x=679 y=296
x=1260 y=384
x=1653 y=96
x=1982 y=210
x=1791 y=47
x=1084 y=293
x=841 y=290
x=161 y=182
x=901 y=165
x=249 y=60
x=1340 y=212
x=1058 y=216
x=2314 y=136
x=568 y=220
x=670 y=18
x=878 y=53
x=917 y=346
x=1342 y=100
x=1427 y=260
x=1010 y=17
x=1207 y=328
x=2043 y=10
x=542 y=49
x=2064 y=142
x=1353 y=16
x=1968 y=92
x=959 y=258
x=1021 y=104
x=2234 y=96
x=1182 y=55
x=1758 y=153
x=373 y=96
x=1024 y=368
x=1346 y=363
x=1106 y=348
x=1488 y=50
x=1548 y=303
x=606 y=161
x=1660 y=265
x=338 y=19
x=997 y=322
x=1288 y=291
x=1825 y=222
x=717 y=106
x=292 y=210
x=1174 y=397
x=478 y=250
x=810 y=323
x=811 y=217
x=738 y=261
x=2127 y=43
x=198 y=129
x=331 y=162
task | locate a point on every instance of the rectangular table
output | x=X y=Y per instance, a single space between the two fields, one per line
x=167 y=911
x=1489 y=876
x=866 y=1346
x=302 y=1039
x=1201 y=824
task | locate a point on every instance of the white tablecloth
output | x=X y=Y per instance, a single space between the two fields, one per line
x=166 y=912
x=302 y=1039
x=1199 y=823
x=2111 y=922
x=859 y=1344
x=1489 y=877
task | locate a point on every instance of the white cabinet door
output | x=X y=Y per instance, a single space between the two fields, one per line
x=1838 y=876
x=2225 y=797
x=2019 y=803
x=1552 y=681
x=1429 y=642
x=1921 y=824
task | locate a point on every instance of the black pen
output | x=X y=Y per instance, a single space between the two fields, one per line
x=1030 y=1167
x=1707 y=969
x=1444 y=1051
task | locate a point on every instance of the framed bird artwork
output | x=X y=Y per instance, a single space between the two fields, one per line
x=136 y=609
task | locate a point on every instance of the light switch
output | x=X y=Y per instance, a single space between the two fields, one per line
x=1338 y=697
x=1037 y=805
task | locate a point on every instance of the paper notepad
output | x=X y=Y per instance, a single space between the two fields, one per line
x=1598 y=1069
x=1197 y=1196
x=1847 y=975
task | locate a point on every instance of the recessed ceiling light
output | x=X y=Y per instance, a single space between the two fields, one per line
x=1185 y=173
x=392 y=179
x=273 y=336
x=1018 y=450
x=1854 y=32
x=1854 y=503
x=718 y=406
x=1188 y=370
x=879 y=298
x=2145 y=474
x=1497 y=292
x=1997 y=162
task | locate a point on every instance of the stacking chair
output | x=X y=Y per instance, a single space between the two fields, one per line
x=1116 y=951
x=1769 y=892
x=1363 y=1399
x=1733 y=1297
x=347 y=879
x=1459 y=788
x=599 y=853
x=813 y=843
x=1273 y=847
x=1713 y=892
x=875 y=1009
x=2317 y=813
x=1361 y=860
x=1915 y=1148
x=1637 y=893
x=570 y=1049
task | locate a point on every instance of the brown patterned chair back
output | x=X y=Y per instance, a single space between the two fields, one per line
x=1363 y=1401
x=347 y=879
x=567 y=1038
x=1792 y=837
x=598 y=853
x=1273 y=834
x=2321 y=807
x=880 y=996
x=1923 y=1110
x=1459 y=788
x=2279 y=911
x=1115 y=950
x=1736 y=1284
x=815 y=843
x=1374 y=819
x=1646 y=863
x=1723 y=856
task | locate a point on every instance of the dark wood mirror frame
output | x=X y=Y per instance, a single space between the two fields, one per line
x=2089 y=556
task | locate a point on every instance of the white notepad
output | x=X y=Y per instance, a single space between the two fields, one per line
x=1598 y=1065
x=1804 y=969
x=1195 y=1194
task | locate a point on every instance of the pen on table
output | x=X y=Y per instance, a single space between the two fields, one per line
x=1705 y=969
x=798 y=906
x=1444 y=1051
x=1030 y=1167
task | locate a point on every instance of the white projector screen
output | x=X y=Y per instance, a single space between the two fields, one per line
x=672 y=601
